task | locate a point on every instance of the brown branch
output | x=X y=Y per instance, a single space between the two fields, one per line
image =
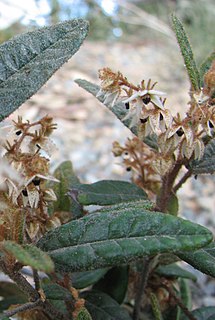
x=179 y=302
x=23 y=307
x=187 y=175
x=141 y=288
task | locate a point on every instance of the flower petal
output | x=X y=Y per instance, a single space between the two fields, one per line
x=156 y=100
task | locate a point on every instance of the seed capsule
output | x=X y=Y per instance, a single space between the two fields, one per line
x=25 y=192
x=18 y=132
x=36 y=181
x=180 y=132
x=146 y=99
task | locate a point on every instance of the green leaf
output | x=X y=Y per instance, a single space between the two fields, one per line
x=54 y=291
x=185 y=296
x=186 y=52
x=85 y=279
x=114 y=237
x=83 y=315
x=10 y=294
x=106 y=192
x=207 y=163
x=114 y=283
x=29 y=255
x=202 y=259
x=204 y=313
x=174 y=271
x=205 y=66
x=103 y=307
x=27 y=61
x=118 y=108
x=65 y=174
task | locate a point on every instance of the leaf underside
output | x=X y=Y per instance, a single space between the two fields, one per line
x=28 y=60
x=107 y=192
x=207 y=163
x=113 y=237
x=118 y=109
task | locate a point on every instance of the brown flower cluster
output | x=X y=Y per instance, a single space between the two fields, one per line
x=178 y=139
x=24 y=194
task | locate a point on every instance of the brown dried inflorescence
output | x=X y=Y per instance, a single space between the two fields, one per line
x=25 y=194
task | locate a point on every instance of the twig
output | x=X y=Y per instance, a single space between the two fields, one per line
x=179 y=302
x=23 y=307
x=140 y=290
x=36 y=279
x=187 y=175
x=21 y=282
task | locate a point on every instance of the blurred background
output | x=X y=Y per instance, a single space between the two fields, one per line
x=134 y=37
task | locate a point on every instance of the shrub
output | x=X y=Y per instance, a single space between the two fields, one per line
x=120 y=261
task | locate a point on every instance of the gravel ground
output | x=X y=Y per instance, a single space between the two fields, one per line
x=86 y=129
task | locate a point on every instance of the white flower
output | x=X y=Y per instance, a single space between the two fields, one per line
x=110 y=98
x=147 y=96
x=134 y=113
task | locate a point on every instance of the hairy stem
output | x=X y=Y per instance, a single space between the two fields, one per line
x=23 y=307
x=141 y=288
x=182 y=181
x=21 y=282
x=167 y=187
x=179 y=303
x=36 y=279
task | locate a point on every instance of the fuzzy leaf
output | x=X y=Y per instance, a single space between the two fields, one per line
x=117 y=236
x=54 y=291
x=202 y=259
x=28 y=60
x=29 y=255
x=83 y=314
x=106 y=192
x=85 y=279
x=207 y=163
x=65 y=174
x=175 y=271
x=118 y=109
x=186 y=52
x=103 y=307
x=205 y=66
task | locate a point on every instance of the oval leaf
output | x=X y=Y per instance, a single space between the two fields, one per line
x=85 y=279
x=65 y=174
x=29 y=255
x=103 y=307
x=54 y=291
x=104 y=239
x=107 y=192
x=175 y=271
x=27 y=61
x=202 y=259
